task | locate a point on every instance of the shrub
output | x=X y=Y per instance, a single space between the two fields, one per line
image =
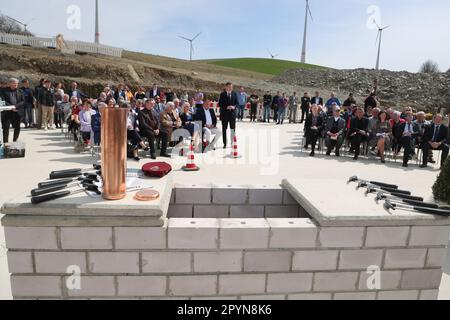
x=429 y=66
x=441 y=189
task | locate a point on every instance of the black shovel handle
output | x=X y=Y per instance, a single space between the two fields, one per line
x=406 y=197
x=49 y=197
x=421 y=204
x=439 y=212
x=62 y=175
x=395 y=190
x=385 y=185
x=51 y=183
x=68 y=171
x=42 y=191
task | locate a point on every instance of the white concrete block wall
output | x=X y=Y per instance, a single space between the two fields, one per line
x=265 y=252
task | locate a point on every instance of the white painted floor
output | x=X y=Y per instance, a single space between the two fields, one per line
x=47 y=151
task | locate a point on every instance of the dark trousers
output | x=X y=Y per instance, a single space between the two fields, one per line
x=311 y=139
x=356 y=143
x=225 y=123
x=86 y=136
x=253 y=110
x=304 y=114
x=151 y=141
x=58 y=118
x=334 y=144
x=407 y=144
x=8 y=118
x=275 y=114
x=134 y=138
x=426 y=151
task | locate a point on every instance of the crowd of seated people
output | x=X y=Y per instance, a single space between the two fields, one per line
x=379 y=131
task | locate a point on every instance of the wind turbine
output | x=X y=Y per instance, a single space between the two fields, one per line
x=308 y=10
x=377 y=66
x=379 y=36
x=273 y=56
x=191 y=43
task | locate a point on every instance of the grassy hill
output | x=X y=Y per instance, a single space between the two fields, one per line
x=267 y=66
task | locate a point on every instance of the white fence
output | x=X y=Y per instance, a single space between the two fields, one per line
x=77 y=46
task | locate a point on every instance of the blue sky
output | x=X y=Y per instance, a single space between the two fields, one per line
x=338 y=36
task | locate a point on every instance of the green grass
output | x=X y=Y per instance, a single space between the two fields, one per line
x=267 y=66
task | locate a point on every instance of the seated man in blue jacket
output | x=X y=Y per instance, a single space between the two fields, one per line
x=208 y=119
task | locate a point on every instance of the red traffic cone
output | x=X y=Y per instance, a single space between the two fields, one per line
x=234 y=149
x=191 y=166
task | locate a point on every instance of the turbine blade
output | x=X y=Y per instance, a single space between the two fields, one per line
x=196 y=36
x=384 y=28
x=184 y=38
x=375 y=22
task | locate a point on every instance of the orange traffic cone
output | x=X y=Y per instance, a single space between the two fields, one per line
x=191 y=166
x=234 y=149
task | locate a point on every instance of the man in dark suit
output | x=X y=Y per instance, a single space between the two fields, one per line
x=435 y=138
x=335 y=129
x=207 y=117
x=75 y=92
x=228 y=103
x=13 y=97
x=359 y=131
x=313 y=128
x=406 y=134
x=317 y=99
x=150 y=128
x=154 y=92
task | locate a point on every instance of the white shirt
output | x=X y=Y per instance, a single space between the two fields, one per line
x=208 y=117
x=408 y=128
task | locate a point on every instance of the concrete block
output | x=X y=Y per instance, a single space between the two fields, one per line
x=315 y=260
x=360 y=259
x=355 y=296
x=166 y=262
x=265 y=195
x=267 y=261
x=430 y=295
x=35 y=286
x=436 y=257
x=214 y=212
x=140 y=238
x=172 y=197
x=244 y=233
x=86 y=238
x=288 y=198
x=113 y=262
x=180 y=211
x=421 y=279
x=193 y=194
x=102 y=286
x=430 y=236
x=388 y=280
x=141 y=286
x=345 y=237
x=310 y=296
x=247 y=212
x=192 y=285
x=384 y=237
x=335 y=281
x=405 y=258
x=242 y=284
x=398 y=295
x=19 y=262
x=281 y=211
x=264 y=297
x=31 y=238
x=58 y=262
x=224 y=194
x=289 y=282
x=193 y=233
x=218 y=261
x=292 y=233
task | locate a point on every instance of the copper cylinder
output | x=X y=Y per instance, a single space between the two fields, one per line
x=114 y=152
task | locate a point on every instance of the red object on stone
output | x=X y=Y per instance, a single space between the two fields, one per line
x=156 y=169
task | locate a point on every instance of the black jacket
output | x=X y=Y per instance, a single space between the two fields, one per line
x=13 y=98
x=148 y=122
x=267 y=100
x=224 y=102
x=313 y=101
x=357 y=124
x=398 y=133
x=442 y=135
x=200 y=116
x=47 y=97
x=309 y=122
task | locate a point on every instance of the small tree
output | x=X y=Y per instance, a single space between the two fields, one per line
x=429 y=66
x=441 y=189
